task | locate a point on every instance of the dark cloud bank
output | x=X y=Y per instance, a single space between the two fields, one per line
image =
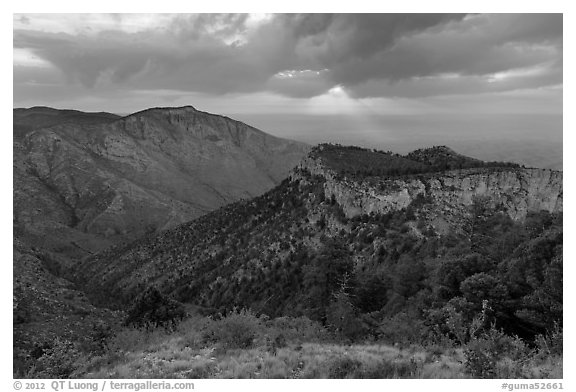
x=373 y=55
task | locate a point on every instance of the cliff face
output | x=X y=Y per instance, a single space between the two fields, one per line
x=447 y=194
x=86 y=186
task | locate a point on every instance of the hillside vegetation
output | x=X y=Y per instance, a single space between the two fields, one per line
x=360 y=163
x=286 y=285
x=244 y=345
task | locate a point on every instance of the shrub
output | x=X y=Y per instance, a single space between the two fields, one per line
x=134 y=339
x=508 y=368
x=273 y=344
x=98 y=338
x=401 y=328
x=342 y=317
x=191 y=331
x=152 y=308
x=300 y=329
x=237 y=330
x=483 y=353
x=480 y=363
x=552 y=342
x=58 y=361
x=456 y=321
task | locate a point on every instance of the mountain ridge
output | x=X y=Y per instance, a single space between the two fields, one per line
x=26 y=120
x=311 y=204
x=173 y=163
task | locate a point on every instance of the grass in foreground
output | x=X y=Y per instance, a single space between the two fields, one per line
x=244 y=346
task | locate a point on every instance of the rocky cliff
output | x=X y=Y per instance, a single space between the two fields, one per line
x=447 y=194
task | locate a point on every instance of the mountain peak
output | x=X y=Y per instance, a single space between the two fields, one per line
x=435 y=151
x=187 y=121
x=167 y=111
x=170 y=109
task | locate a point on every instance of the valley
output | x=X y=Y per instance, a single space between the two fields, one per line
x=332 y=251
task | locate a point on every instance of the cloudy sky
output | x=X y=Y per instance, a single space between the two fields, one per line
x=289 y=74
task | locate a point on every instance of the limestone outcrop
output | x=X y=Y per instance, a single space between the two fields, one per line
x=448 y=194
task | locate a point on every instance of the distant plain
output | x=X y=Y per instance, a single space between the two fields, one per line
x=532 y=140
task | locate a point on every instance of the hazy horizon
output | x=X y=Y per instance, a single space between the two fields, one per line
x=534 y=140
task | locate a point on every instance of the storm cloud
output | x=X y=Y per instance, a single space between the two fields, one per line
x=366 y=55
